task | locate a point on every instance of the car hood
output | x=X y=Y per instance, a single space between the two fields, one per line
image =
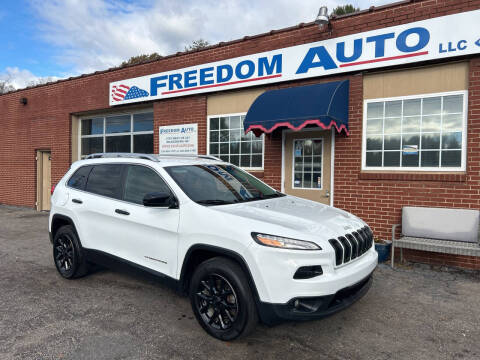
x=297 y=215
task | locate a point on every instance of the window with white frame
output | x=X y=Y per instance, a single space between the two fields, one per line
x=117 y=133
x=416 y=132
x=227 y=140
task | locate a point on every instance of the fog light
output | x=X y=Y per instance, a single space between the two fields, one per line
x=308 y=272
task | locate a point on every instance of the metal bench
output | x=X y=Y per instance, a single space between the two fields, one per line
x=446 y=231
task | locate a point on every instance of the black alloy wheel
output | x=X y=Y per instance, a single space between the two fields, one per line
x=222 y=299
x=217 y=302
x=64 y=254
x=68 y=253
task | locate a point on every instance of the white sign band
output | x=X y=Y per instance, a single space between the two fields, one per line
x=414 y=42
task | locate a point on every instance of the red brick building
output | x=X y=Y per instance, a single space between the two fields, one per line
x=413 y=114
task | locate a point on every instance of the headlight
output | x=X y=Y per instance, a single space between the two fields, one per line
x=284 y=243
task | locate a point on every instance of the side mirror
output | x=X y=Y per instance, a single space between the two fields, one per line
x=160 y=199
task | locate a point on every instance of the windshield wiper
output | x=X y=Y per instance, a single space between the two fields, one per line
x=215 y=202
x=264 y=197
x=275 y=194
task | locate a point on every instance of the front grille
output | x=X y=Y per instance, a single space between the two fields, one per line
x=354 y=244
x=351 y=246
x=348 y=251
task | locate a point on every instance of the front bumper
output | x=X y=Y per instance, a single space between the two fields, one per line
x=314 y=307
x=274 y=271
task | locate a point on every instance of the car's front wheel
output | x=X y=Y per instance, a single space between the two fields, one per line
x=222 y=300
x=67 y=253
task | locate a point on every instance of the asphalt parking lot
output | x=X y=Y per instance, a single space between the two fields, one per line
x=410 y=313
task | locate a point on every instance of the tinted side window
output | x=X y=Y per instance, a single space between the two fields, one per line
x=79 y=178
x=140 y=181
x=106 y=180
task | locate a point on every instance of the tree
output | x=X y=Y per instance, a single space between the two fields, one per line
x=5 y=87
x=41 y=81
x=141 y=59
x=197 y=45
x=345 y=9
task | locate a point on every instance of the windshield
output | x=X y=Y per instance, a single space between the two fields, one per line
x=219 y=184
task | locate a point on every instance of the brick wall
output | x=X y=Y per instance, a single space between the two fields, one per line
x=44 y=123
x=182 y=111
x=436 y=259
x=379 y=198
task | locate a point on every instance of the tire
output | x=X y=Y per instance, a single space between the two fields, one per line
x=68 y=254
x=222 y=300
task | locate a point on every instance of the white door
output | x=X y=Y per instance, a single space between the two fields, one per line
x=147 y=236
x=95 y=208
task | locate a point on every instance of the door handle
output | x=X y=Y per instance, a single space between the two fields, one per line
x=122 y=212
x=77 y=201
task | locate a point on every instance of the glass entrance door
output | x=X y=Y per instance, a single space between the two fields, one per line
x=307 y=156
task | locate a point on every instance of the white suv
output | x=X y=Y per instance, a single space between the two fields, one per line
x=241 y=250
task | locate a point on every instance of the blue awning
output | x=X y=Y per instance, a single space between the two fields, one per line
x=324 y=105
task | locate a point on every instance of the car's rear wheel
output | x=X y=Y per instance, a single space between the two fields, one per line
x=67 y=253
x=222 y=300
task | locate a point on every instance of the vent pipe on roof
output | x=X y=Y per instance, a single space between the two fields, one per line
x=322 y=17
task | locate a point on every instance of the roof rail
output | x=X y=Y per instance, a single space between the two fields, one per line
x=152 y=157
x=211 y=157
x=123 y=155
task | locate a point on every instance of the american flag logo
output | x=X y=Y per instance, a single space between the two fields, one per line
x=124 y=92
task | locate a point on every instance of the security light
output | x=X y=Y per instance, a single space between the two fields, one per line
x=322 y=17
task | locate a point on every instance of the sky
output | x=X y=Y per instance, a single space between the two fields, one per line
x=53 y=39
